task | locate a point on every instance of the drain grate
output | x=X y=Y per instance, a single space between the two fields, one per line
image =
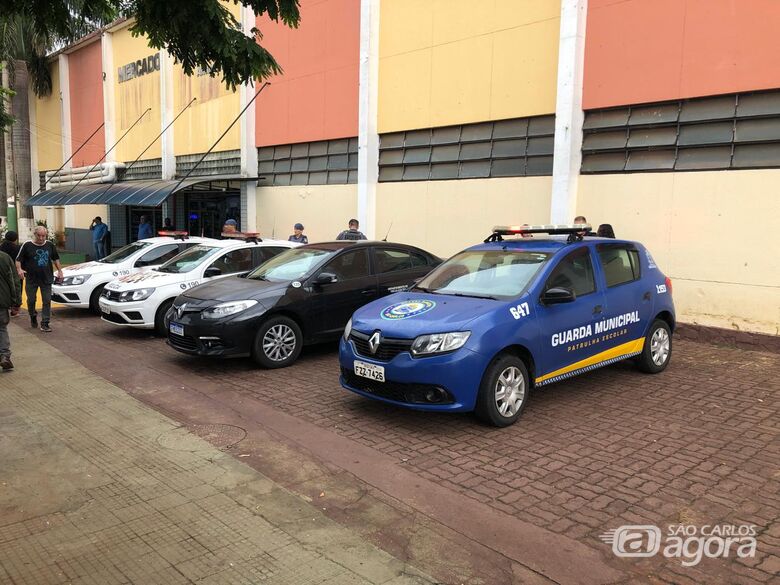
x=221 y=436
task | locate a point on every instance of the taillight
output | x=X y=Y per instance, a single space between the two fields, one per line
x=668 y=285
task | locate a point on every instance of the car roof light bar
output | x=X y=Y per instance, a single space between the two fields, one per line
x=574 y=231
x=176 y=234
x=246 y=236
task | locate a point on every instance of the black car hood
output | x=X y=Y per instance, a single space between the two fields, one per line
x=234 y=288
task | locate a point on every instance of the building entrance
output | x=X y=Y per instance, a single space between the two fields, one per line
x=207 y=212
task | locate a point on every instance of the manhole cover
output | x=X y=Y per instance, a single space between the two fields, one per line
x=219 y=435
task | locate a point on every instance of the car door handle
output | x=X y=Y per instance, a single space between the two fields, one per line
x=597 y=309
x=367 y=291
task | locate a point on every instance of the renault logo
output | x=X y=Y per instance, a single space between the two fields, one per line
x=374 y=341
x=180 y=310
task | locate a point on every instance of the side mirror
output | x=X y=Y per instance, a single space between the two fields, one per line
x=212 y=271
x=557 y=295
x=326 y=278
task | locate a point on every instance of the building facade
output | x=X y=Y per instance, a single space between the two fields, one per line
x=432 y=122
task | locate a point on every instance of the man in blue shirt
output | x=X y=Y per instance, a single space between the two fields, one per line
x=145 y=229
x=99 y=232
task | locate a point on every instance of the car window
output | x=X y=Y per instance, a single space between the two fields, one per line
x=574 y=272
x=124 y=253
x=268 y=252
x=188 y=260
x=158 y=255
x=234 y=261
x=391 y=260
x=292 y=264
x=352 y=264
x=418 y=260
x=620 y=264
x=501 y=274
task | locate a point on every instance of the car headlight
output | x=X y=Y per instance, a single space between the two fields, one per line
x=226 y=309
x=439 y=342
x=75 y=280
x=140 y=294
x=348 y=329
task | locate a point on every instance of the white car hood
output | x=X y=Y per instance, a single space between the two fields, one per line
x=90 y=268
x=146 y=278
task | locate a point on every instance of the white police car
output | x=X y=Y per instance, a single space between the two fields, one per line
x=483 y=328
x=82 y=283
x=141 y=300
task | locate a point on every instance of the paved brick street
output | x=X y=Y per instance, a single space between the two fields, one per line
x=698 y=444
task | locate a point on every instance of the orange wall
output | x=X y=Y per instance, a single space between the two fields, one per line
x=653 y=50
x=86 y=103
x=317 y=96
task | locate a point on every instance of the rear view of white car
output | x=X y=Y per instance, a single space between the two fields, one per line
x=82 y=283
x=141 y=300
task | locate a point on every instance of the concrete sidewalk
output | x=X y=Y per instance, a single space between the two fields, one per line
x=96 y=488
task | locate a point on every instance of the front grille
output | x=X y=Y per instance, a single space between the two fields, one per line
x=111 y=295
x=387 y=350
x=184 y=342
x=114 y=318
x=406 y=393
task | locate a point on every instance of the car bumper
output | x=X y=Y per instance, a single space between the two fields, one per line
x=139 y=314
x=73 y=296
x=452 y=379
x=221 y=338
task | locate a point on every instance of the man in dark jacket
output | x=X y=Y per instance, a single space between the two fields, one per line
x=10 y=244
x=352 y=233
x=10 y=301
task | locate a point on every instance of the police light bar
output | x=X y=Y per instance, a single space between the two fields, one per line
x=572 y=230
x=180 y=234
x=246 y=236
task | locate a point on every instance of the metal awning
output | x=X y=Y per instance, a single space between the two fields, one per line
x=145 y=192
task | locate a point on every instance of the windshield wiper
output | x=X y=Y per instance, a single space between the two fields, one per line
x=425 y=290
x=473 y=296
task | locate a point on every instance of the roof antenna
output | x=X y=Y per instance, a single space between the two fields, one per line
x=273 y=230
x=388 y=232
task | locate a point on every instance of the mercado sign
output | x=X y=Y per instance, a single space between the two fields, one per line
x=138 y=68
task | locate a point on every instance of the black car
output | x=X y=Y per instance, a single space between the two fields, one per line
x=304 y=295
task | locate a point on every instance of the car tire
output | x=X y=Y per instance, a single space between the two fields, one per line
x=506 y=373
x=278 y=343
x=94 y=299
x=657 y=351
x=159 y=319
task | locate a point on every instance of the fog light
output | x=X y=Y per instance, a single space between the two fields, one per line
x=434 y=395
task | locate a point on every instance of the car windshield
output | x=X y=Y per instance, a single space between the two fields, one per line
x=124 y=253
x=290 y=264
x=499 y=274
x=188 y=260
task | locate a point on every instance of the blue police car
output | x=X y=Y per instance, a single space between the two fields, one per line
x=497 y=319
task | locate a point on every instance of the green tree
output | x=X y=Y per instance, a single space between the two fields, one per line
x=197 y=33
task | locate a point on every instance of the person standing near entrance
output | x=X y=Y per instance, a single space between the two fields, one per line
x=35 y=261
x=10 y=300
x=99 y=232
x=298 y=235
x=352 y=233
x=145 y=229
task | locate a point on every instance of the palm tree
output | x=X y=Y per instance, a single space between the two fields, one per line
x=23 y=55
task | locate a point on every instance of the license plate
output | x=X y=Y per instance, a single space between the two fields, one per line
x=370 y=371
x=176 y=329
x=105 y=308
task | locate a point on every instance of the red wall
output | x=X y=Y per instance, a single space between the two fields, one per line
x=317 y=96
x=653 y=50
x=86 y=103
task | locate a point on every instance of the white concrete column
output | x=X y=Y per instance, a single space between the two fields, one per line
x=109 y=100
x=67 y=138
x=248 y=143
x=166 y=115
x=568 y=111
x=368 y=138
